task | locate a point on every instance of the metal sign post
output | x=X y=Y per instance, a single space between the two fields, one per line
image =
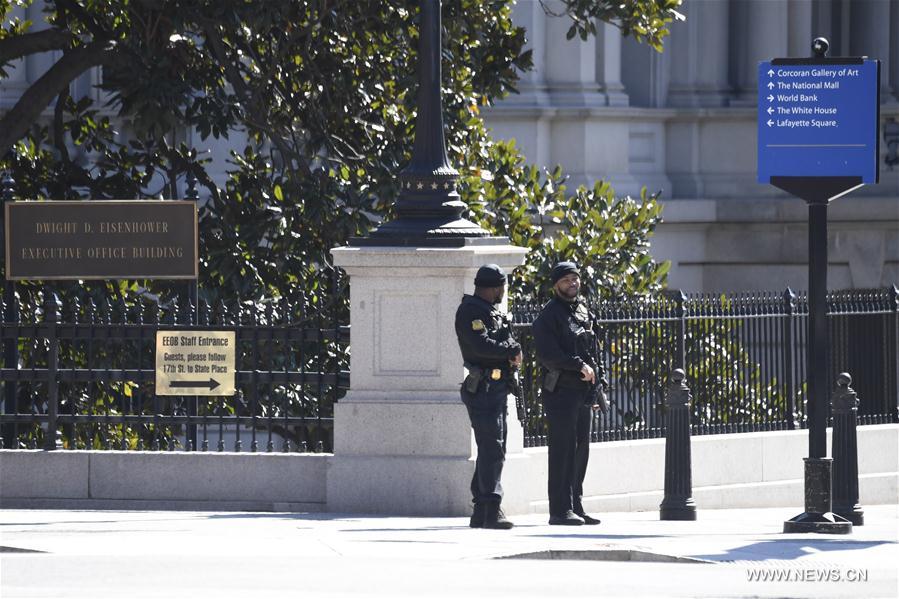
x=818 y=140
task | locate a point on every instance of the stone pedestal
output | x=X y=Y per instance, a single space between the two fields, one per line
x=402 y=438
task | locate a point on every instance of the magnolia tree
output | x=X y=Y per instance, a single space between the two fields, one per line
x=324 y=93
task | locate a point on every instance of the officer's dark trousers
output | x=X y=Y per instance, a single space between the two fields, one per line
x=569 y=447
x=487 y=412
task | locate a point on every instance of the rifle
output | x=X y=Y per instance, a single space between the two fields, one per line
x=514 y=382
x=515 y=386
x=597 y=396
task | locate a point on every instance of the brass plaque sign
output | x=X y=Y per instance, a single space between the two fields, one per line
x=195 y=362
x=101 y=239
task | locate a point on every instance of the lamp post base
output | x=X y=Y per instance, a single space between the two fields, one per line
x=854 y=514
x=827 y=523
x=683 y=512
x=818 y=515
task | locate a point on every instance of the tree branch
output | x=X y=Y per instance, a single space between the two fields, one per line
x=17 y=121
x=18 y=46
x=96 y=29
x=233 y=76
x=59 y=139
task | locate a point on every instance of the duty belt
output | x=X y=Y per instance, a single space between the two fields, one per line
x=476 y=374
x=492 y=374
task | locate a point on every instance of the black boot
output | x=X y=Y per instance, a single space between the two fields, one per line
x=495 y=518
x=579 y=511
x=477 y=516
x=567 y=518
x=587 y=519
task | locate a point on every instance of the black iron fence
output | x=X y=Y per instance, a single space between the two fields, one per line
x=85 y=372
x=744 y=356
x=81 y=375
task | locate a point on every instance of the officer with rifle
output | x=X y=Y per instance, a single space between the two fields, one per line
x=573 y=387
x=492 y=357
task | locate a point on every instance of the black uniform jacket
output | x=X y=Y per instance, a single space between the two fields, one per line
x=484 y=336
x=559 y=334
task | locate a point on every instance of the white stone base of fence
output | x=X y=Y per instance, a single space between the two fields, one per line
x=163 y=480
x=729 y=471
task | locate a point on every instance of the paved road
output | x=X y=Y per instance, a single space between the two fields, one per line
x=93 y=554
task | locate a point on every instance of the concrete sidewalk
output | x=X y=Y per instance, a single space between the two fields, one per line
x=94 y=554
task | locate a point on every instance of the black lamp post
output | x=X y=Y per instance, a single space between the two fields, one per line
x=429 y=210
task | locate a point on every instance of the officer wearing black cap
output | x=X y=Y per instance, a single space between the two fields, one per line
x=563 y=335
x=491 y=355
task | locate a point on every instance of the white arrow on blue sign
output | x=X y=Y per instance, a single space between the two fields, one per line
x=818 y=120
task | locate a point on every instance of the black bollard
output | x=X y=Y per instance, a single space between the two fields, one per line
x=844 y=407
x=678 y=503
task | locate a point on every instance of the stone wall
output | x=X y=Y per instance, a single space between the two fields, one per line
x=729 y=471
x=163 y=480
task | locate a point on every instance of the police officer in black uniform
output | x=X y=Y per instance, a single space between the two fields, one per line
x=563 y=334
x=491 y=356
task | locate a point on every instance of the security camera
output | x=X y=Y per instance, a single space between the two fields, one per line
x=820 y=46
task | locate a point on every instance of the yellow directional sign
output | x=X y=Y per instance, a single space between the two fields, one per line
x=195 y=362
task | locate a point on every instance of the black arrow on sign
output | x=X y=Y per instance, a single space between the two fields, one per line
x=211 y=384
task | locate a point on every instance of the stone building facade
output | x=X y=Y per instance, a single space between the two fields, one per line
x=684 y=122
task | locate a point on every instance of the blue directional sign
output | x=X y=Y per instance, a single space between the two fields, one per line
x=818 y=120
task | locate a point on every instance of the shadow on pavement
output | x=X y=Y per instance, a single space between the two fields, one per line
x=292 y=516
x=597 y=536
x=790 y=549
x=413 y=541
x=409 y=529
